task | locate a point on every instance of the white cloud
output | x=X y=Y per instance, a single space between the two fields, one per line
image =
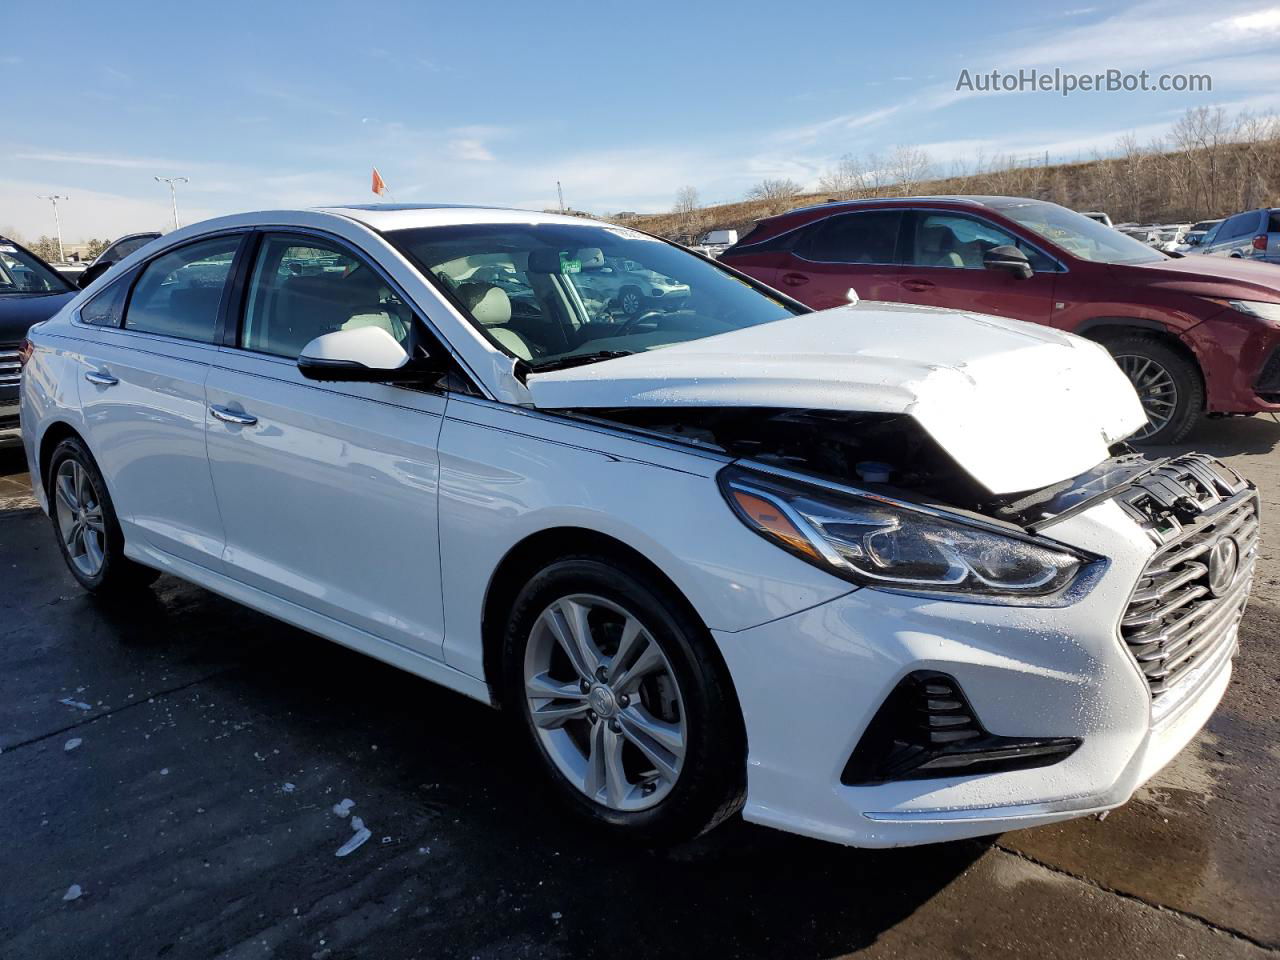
x=96 y=160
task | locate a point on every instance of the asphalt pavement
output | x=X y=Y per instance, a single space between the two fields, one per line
x=181 y=777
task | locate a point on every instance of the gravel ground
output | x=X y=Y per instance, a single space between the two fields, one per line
x=181 y=778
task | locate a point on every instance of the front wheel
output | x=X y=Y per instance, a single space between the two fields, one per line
x=1168 y=384
x=631 y=300
x=624 y=700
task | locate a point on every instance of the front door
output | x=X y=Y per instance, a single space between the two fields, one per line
x=328 y=491
x=943 y=268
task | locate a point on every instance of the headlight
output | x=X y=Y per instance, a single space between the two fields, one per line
x=883 y=543
x=1254 y=308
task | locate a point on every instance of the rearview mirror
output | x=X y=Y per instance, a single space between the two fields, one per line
x=1010 y=258
x=363 y=355
x=93 y=272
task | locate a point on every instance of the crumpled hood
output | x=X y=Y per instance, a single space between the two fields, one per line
x=1018 y=406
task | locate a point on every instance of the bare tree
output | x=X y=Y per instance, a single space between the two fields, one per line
x=847 y=179
x=1204 y=131
x=688 y=211
x=908 y=167
x=769 y=189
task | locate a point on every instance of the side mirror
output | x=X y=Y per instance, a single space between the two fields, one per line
x=93 y=272
x=1008 y=257
x=363 y=355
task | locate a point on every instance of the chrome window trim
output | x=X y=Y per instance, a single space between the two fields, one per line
x=965 y=210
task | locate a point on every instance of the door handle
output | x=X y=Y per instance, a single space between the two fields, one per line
x=794 y=279
x=230 y=416
x=101 y=379
x=918 y=286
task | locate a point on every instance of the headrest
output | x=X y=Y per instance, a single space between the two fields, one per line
x=490 y=305
x=937 y=239
x=544 y=260
x=591 y=258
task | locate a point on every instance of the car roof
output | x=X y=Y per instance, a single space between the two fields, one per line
x=403 y=216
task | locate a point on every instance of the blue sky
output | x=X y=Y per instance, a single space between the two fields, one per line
x=269 y=104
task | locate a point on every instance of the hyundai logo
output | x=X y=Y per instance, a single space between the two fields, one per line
x=1224 y=560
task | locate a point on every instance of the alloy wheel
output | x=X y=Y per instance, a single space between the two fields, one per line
x=605 y=702
x=78 y=506
x=1156 y=389
x=630 y=302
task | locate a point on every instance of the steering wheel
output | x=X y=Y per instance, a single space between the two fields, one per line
x=635 y=321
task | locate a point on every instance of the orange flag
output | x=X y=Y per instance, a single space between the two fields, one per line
x=379 y=185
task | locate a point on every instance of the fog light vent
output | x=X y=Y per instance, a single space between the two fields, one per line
x=926 y=728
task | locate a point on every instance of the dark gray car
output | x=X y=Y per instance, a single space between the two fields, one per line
x=30 y=291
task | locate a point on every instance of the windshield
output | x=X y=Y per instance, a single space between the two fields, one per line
x=24 y=274
x=549 y=293
x=1078 y=235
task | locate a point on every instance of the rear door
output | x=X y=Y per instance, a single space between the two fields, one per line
x=849 y=251
x=327 y=490
x=142 y=395
x=944 y=250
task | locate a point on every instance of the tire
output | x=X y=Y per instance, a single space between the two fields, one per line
x=690 y=685
x=631 y=301
x=1155 y=369
x=95 y=557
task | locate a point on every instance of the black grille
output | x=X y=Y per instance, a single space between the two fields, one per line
x=1186 y=605
x=927 y=728
x=1268 y=382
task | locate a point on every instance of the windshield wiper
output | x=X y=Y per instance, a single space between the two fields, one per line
x=577 y=360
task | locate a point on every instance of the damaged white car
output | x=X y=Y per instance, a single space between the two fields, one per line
x=882 y=575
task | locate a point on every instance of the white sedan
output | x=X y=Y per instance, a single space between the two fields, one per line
x=882 y=574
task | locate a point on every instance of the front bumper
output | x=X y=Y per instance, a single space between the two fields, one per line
x=10 y=431
x=810 y=683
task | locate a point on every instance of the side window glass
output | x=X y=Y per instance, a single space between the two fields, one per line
x=302 y=288
x=106 y=307
x=947 y=240
x=869 y=237
x=178 y=293
x=1240 y=225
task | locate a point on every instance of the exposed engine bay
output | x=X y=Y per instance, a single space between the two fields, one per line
x=885 y=453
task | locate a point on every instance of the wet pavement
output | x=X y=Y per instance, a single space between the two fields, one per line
x=174 y=778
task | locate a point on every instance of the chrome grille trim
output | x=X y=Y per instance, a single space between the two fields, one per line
x=1173 y=623
x=10 y=368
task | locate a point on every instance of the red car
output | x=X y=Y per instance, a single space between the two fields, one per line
x=1196 y=335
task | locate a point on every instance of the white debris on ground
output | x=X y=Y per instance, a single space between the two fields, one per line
x=288 y=788
x=557 y=915
x=358 y=838
x=78 y=704
x=343 y=808
x=164 y=772
x=73 y=892
x=71 y=744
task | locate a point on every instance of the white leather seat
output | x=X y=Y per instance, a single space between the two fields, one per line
x=491 y=308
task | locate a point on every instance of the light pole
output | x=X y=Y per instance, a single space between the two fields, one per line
x=173 y=193
x=57 y=221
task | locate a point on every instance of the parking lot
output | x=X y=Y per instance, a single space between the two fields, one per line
x=183 y=777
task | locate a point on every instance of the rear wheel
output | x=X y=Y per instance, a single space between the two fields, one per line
x=627 y=707
x=1168 y=384
x=85 y=521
